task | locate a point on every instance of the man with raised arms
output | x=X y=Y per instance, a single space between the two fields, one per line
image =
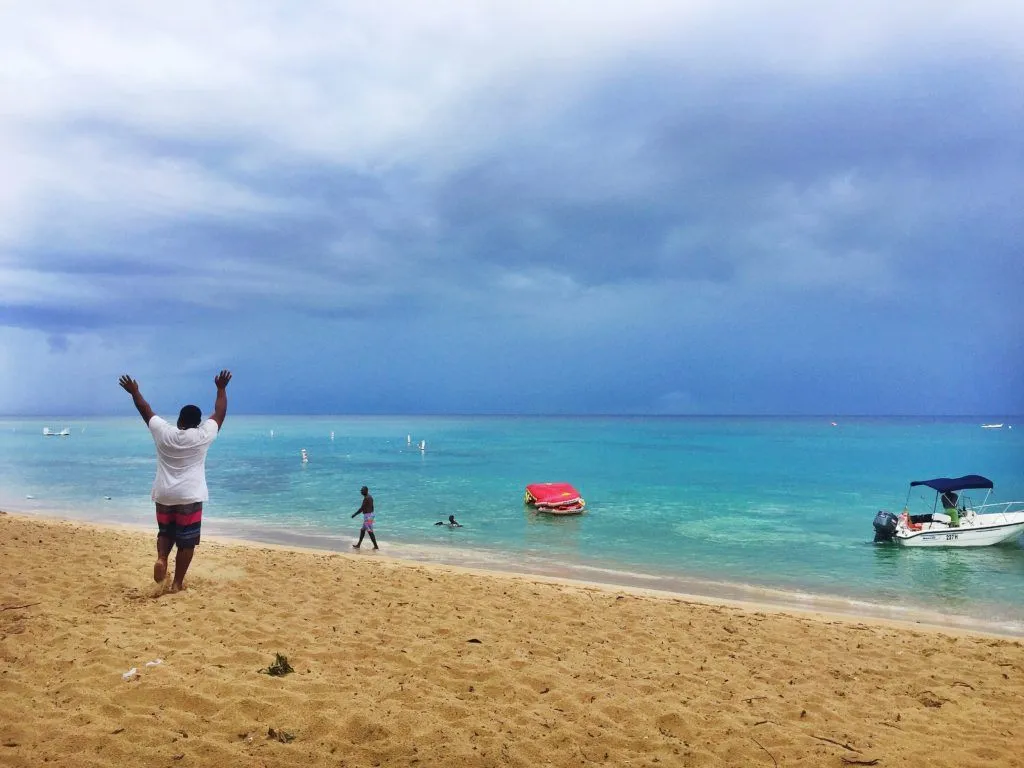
x=179 y=488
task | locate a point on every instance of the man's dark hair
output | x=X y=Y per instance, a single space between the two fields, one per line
x=190 y=417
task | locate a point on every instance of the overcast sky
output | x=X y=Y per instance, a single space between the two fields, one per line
x=689 y=206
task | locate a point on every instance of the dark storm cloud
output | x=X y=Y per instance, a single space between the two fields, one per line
x=705 y=216
x=712 y=162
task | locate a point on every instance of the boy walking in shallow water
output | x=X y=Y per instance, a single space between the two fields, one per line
x=179 y=489
x=367 y=511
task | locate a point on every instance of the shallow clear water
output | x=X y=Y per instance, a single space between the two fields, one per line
x=751 y=508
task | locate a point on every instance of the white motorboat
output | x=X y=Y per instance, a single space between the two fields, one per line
x=954 y=520
x=47 y=432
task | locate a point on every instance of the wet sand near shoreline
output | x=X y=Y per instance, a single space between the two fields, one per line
x=904 y=612
x=400 y=663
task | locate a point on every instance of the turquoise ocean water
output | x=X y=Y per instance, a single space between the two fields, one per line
x=765 y=509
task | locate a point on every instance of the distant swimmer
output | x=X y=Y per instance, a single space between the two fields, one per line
x=451 y=523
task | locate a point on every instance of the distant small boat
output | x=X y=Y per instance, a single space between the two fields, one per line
x=47 y=432
x=991 y=426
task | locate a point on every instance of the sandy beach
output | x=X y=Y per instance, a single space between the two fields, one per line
x=428 y=665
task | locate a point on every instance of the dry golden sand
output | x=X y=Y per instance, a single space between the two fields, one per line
x=413 y=665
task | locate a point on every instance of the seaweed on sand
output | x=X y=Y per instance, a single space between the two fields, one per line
x=279 y=667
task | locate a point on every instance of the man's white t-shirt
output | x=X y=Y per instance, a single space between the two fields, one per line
x=181 y=461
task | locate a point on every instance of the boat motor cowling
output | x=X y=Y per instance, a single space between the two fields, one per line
x=885 y=525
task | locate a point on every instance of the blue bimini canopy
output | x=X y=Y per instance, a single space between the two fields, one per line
x=946 y=484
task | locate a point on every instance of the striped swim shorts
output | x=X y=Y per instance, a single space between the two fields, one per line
x=180 y=522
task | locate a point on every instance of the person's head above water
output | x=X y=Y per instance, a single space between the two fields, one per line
x=451 y=518
x=189 y=417
x=364 y=490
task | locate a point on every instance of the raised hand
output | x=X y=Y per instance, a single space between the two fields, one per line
x=220 y=405
x=130 y=385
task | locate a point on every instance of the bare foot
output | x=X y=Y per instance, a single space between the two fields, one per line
x=355 y=546
x=177 y=587
x=159 y=569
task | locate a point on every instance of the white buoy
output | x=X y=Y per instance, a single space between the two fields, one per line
x=332 y=435
x=408 y=439
x=271 y=433
x=423 y=445
x=305 y=456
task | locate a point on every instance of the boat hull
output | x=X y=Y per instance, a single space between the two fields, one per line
x=572 y=510
x=980 y=534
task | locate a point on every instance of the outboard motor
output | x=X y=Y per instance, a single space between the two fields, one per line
x=885 y=526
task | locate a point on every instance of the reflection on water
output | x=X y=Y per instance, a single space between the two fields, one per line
x=951 y=576
x=560 y=533
x=564 y=522
x=945 y=575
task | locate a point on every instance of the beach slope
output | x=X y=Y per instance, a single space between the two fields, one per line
x=413 y=665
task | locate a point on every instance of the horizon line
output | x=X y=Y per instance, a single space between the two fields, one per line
x=612 y=415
